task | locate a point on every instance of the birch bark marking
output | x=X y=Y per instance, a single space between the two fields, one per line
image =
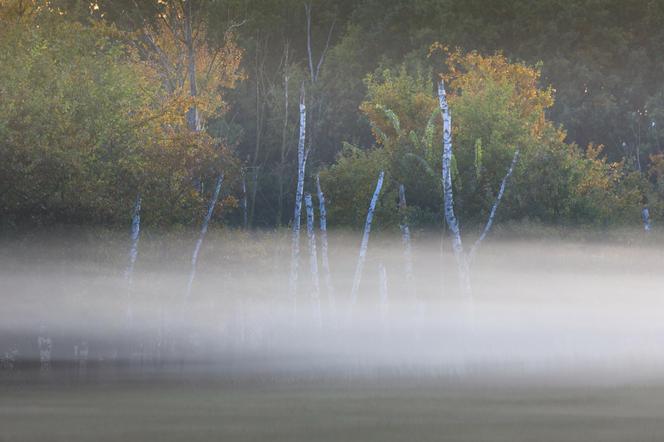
x=365 y=241
x=313 y=259
x=133 y=251
x=295 y=243
x=448 y=198
x=204 y=229
x=323 y=247
x=494 y=208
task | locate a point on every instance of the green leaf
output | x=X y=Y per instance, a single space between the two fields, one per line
x=392 y=117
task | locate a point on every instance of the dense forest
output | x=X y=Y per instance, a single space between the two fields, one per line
x=105 y=102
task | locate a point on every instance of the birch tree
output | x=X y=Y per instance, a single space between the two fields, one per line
x=133 y=251
x=295 y=242
x=195 y=74
x=462 y=259
x=448 y=197
x=357 y=279
x=201 y=237
x=494 y=207
x=645 y=215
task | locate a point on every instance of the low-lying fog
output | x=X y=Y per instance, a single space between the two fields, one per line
x=538 y=306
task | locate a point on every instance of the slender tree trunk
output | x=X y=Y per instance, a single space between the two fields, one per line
x=204 y=229
x=324 y=247
x=494 y=208
x=244 y=201
x=133 y=252
x=645 y=214
x=284 y=132
x=365 y=242
x=295 y=244
x=313 y=259
x=193 y=119
x=448 y=199
x=260 y=123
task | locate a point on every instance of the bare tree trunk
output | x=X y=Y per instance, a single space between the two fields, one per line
x=193 y=119
x=315 y=103
x=133 y=251
x=314 y=72
x=494 y=208
x=365 y=242
x=260 y=123
x=295 y=244
x=204 y=229
x=448 y=198
x=284 y=132
x=244 y=200
x=324 y=246
x=313 y=259
x=645 y=214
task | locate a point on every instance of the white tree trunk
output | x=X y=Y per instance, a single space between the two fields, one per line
x=313 y=259
x=448 y=199
x=494 y=208
x=133 y=251
x=204 y=229
x=295 y=243
x=323 y=248
x=365 y=241
x=645 y=214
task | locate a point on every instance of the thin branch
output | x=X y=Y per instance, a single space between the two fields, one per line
x=494 y=208
x=307 y=10
x=327 y=45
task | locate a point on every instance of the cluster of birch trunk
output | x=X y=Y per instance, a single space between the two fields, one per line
x=464 y=259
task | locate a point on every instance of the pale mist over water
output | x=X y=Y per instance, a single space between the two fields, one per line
x=558 y=307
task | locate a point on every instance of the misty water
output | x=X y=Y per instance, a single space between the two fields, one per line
x=561 y=339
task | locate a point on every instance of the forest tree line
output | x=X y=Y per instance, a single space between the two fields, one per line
x=103 y=101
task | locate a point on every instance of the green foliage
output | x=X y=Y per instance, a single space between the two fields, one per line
x=85 y=122
x=350 y=183
x=478 y=158
x=84 y=127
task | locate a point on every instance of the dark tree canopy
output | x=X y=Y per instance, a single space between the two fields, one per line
x=602 y=60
